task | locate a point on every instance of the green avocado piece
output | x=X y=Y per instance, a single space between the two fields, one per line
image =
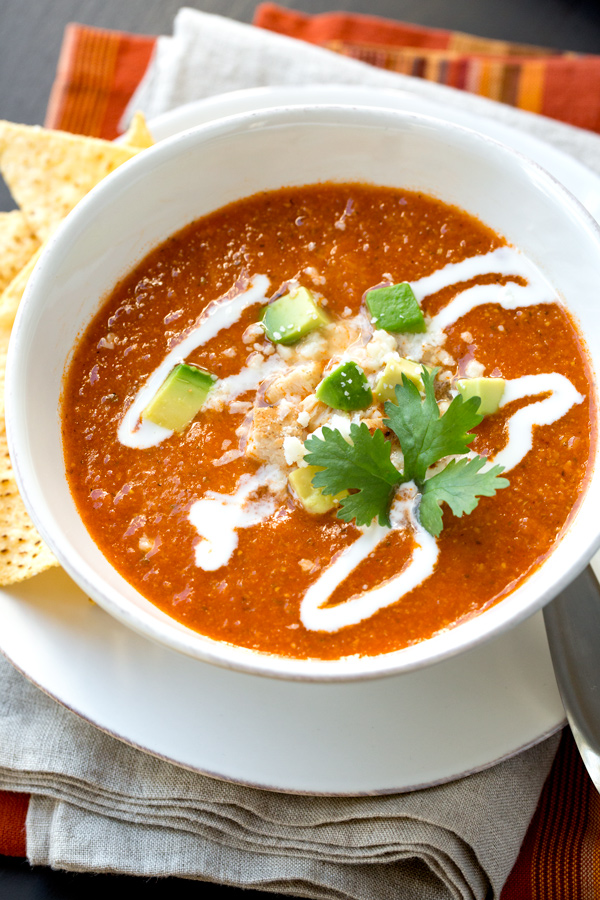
x=312 y=498
x=180 y=397
x=392 y=375
x=345 y=388
x=395 y=309
x=489 y=391
x=293 y=316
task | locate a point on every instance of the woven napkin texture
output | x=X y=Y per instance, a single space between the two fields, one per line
x=98 y=804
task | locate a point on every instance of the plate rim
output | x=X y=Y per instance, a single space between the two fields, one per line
x=269 y=94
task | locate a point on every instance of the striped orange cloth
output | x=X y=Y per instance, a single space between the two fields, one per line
x=97 y=73
x=564 y=86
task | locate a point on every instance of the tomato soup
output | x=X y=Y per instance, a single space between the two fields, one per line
x=208 y=517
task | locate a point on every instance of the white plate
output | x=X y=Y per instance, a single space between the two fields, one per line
x=395 y=734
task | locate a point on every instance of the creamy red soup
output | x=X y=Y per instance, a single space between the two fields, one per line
x=209 y=519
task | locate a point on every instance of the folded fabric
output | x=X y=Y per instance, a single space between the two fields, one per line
x=564 y=86
x=100 y=805
x=99 y=69
x=97 y=72
x=209 y=55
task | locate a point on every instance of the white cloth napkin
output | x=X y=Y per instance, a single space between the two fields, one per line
x=99 y=805
x=210 y=55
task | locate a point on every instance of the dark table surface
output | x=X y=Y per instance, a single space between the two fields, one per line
x=30 y=38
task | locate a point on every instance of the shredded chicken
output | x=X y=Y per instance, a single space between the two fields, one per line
x=294 y=385
x=268 y=432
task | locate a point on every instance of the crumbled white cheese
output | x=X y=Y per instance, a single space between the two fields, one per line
x=410 y=345
x=467 y=337
x=284 y=352
x=303 y=418
x=444 y=357
x=293 y=450
x=379 y=349
x=474 y=369
x=375 y=353
x=337 y=422
x=314 y=346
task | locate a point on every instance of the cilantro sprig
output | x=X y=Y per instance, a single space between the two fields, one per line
x=460 y=484
x=364 y=464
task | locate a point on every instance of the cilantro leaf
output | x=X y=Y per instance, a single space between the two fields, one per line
x=363 y=465
x=425 y=436
x=459 y=485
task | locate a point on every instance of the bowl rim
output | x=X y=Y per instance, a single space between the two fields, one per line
x=490 y=622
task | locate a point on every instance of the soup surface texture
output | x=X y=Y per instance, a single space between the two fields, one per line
x=205 y=521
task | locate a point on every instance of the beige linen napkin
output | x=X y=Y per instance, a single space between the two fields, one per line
x=100 y=805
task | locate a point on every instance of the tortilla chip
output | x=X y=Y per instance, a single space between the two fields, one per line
x=11 y=296
x=48 y=172
x=22 y=551
x=138 y=134
x=17 y=245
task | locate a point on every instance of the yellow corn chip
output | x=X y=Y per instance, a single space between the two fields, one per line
x=11 y=296
x=17 y=245
x=48 y=172
x=22 y=551
x=138 y=134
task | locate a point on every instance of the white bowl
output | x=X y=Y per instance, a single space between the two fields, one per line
x=193 y=173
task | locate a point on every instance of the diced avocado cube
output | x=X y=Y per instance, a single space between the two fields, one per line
x=392 y=375
x=293 y=316
x=395 y=309
x=180 y=397
x=345 y=388
x=489 y=391
x=312 y=498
